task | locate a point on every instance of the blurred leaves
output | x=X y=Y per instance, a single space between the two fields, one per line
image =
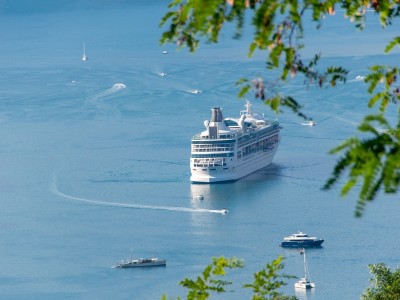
x=384 y=285
x=373 y=160
x=265 y=286
x=267 y=282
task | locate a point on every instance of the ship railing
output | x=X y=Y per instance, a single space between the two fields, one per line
x=274 y=124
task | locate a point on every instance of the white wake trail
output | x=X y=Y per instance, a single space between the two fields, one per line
x=115 y=88
x=55 y=190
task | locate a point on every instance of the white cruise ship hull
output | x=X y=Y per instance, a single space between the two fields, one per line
x=238 y=170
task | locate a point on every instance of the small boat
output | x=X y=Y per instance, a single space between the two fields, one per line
x=305 y=282
x=198 y=197
x=224 y=211
x=301 y=240
x=141 y=262
x=84 y=57
x=165 y=52
x=359 y=78
x=195 y=91
x=309 y=123
x=312 y=123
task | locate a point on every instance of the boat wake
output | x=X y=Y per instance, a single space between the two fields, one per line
x=114 y=89
x=54 y=189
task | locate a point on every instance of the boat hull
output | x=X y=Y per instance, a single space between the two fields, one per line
x=302 y=244
x=140 y=265
x=128 y=265
x=308 y=285
x=241 y=169
x=232 y=148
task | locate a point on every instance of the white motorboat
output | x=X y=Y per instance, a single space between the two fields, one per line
x=195 y=91
x=309 y=123
x=301 y=240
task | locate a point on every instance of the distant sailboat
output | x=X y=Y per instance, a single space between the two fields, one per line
x=305 y=283
x=84 y=57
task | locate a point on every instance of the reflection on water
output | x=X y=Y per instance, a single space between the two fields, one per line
x=270 y=172
x=200 y=189
x=304 y=294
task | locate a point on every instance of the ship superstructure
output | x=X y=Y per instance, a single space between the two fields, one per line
x=232 y=148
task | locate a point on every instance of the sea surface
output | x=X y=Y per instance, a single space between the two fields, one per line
x=94 y=158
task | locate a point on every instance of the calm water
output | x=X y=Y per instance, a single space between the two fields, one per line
x=95 y=160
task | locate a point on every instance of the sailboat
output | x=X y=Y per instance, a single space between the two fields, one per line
x=84 y=57
x=305 y=283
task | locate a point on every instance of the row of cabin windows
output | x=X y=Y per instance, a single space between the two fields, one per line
x=229 y=154
x=212 y=147
x=248 y=138
x=259 y=146
x=221 y=136
x=209 y=162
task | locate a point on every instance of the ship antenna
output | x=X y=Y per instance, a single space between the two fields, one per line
x=248 y=108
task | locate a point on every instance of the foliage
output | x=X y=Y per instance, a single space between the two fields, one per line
x=278 y=30
x=267 y=282
x=374 y=160
x=265 y=286
x=385 y=284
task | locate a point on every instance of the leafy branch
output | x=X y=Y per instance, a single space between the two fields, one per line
x=265 y=286
x=268 y=281
x=375 y=160
x=385 y=283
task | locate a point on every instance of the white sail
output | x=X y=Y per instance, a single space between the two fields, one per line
x=84 y=57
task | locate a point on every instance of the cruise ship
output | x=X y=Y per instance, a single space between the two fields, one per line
x=232 y=148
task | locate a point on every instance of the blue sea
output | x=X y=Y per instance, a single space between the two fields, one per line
x=94 y=158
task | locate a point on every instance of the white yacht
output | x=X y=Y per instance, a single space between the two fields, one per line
x=301 y=240
x=232 y=148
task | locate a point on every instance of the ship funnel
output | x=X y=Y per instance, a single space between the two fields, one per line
x=216 y=125
x=216 y=115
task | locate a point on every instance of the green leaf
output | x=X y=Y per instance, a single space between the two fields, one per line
x=394 y=42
